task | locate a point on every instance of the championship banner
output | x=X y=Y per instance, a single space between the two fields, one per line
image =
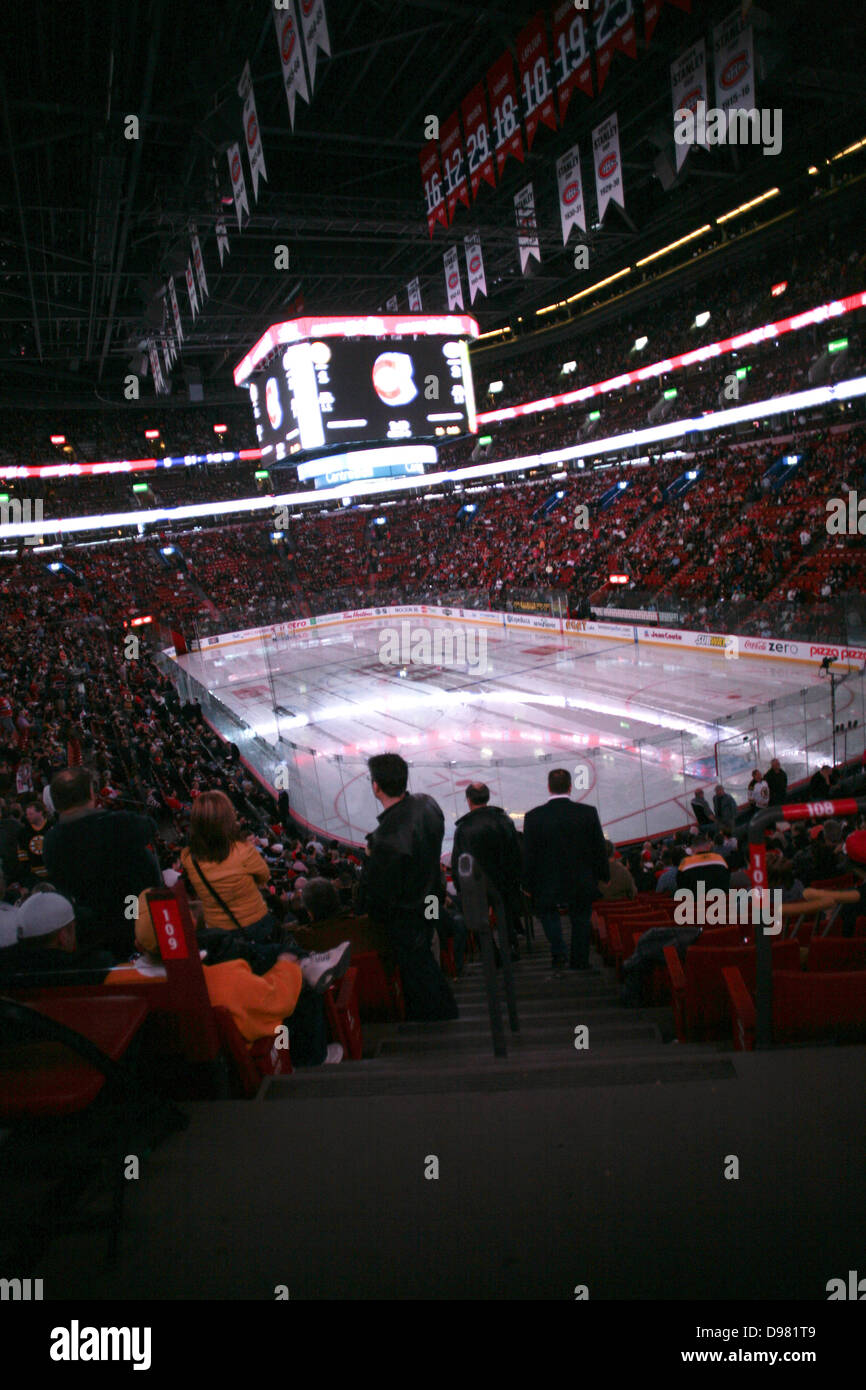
x=527 y=240
x=607 y=164
x=222 y=237
x=432 y=180
x=453 y=283
x=688 y=87
x=155 y=369
x=733 y=64
x=572 y=212
x=613 y=24
x=166 y=357
x=477 y=131
x=453 y=164
x=199 y=267
x=504 y=111
x=239 y=183
x=533 y=60
x=175 y=311
x=414 y=291
x=393 y=305
x=190 y=289
x=652 y=10
x=315 y=30
x=475 y=266
x=255 y=153
x=291 y=57
x=572 y=61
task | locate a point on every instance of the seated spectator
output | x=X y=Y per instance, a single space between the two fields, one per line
x=31 y=843
x=703 y=864
x=38 y=941
x=620 y=884
x=288 y=992
x=667 y=879
x=226 y=871
x=99 y=860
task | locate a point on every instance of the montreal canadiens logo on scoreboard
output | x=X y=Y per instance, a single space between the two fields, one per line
x=393 y=381
x=272 y=403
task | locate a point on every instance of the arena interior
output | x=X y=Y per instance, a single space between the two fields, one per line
x=465 y=384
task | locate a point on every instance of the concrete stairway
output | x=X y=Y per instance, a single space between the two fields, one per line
x=624 y=1046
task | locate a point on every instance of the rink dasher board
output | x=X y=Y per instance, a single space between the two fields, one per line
x=729 y=645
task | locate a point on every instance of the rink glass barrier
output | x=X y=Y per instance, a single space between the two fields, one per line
x=797 y=728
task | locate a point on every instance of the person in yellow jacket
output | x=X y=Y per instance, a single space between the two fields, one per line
x=226 y=870
x=290 y=992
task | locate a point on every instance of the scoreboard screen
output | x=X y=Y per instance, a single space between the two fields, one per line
x=320 y=384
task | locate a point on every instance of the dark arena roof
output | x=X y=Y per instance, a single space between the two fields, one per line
x=650 y=505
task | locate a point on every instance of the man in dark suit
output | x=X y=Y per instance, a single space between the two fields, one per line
x=564 y=861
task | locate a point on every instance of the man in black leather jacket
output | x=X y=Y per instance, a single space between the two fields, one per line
x=401 y=885
x=488 y=834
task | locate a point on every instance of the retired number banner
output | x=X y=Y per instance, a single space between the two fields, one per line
x=393 y=304
x=479 y=155
x=199 y=267
x=431 y=177
x=607 y=164
x=453 y=165
x=453 y=283
x=734 y=65
x=190 y=289
x=533 y=60
x=688 y=87
x=614 y=27
x=571 y=209
x=504 y=111
x=222 y=237
x=572 y=63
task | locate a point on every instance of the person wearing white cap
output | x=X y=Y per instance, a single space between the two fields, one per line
x=44 y=943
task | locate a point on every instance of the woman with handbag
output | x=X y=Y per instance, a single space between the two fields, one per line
x=227 y=872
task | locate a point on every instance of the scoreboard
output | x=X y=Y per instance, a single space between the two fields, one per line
x=323 y=383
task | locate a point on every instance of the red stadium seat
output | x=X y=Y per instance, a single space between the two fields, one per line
x=698 y=990
x=807 y=1007
x=833 y=953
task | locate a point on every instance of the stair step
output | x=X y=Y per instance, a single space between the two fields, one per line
x=564 y=1015
x=550 y=1034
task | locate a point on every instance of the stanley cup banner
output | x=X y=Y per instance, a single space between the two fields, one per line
x=393 y=305
x=199 y=267
x=653 y=8
x=289 y=42
x=156 y=370
x=570 y=184
x=239 y=183
x=527 y=240
x=504 y=112
x=476 y=128
x=475 y=266
x=572 y=61
x=414 y=291
x=613 y=24
x=175 y=311
x=533 y=60
x=734 y=64
x=688 y=87
x=166 y=356
x=252 y=134
x=453 y=164
x=222 y=237
x=315 y=29
x=190 y=289
x=453 y=283
x=607 y=164
x=431 y=177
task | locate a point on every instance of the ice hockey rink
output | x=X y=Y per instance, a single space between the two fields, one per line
x=640 y=727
